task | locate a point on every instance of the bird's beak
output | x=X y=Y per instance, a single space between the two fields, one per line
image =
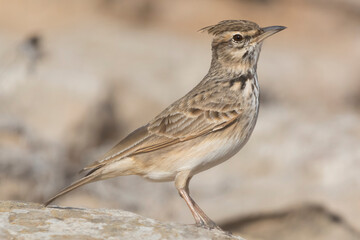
x=268 y=31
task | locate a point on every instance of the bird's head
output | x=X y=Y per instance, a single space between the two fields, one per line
x=236 y=44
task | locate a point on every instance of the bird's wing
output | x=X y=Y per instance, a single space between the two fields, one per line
x=122 y=148
x=175 y=124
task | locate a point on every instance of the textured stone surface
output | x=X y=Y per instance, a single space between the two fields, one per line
x=32 y=221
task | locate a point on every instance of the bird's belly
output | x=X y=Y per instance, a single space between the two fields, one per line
x=211 y=153
x=195 y=155
x=196 y=158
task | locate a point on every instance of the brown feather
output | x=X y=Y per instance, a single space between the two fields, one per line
x=78 y=183
x=230 y=25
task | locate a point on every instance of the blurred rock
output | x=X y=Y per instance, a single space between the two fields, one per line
x=32 y=221
x=141 y=13
x=298 y=223
x=29 y=167
x=100 y=125
x=32 y=49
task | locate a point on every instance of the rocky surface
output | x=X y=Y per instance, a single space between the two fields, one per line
x=29 y=221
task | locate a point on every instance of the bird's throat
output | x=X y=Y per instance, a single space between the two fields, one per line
x=232 y=70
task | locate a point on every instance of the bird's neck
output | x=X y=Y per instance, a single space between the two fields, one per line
x=222 y=69
x=232 y=64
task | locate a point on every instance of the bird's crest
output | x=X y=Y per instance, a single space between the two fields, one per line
x=230 y=25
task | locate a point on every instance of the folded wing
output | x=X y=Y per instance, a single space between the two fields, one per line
x=175 y=124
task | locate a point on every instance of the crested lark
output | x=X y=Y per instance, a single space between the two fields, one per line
x=200 y=130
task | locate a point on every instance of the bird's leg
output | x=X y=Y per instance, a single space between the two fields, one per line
x=186 y=197
x=182 y=184
x=208 y=222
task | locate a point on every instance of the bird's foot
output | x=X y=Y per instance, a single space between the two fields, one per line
x=211 y=225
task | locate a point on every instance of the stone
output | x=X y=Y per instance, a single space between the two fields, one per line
x=32 y=221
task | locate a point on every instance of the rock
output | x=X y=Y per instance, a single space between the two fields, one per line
x=32 y=221
x=306 y=221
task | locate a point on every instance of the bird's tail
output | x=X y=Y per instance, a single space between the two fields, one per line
x=99 y=172
x=87 y=179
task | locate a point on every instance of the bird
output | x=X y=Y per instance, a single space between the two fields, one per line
x=200 y=130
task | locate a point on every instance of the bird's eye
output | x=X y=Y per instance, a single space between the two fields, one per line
x=237 y=37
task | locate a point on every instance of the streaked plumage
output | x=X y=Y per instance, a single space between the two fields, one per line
x=200 y=130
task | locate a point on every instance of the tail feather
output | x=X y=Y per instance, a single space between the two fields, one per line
x=114 y=169
x=87 y=179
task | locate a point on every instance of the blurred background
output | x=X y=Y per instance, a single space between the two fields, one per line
x=77 y=76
